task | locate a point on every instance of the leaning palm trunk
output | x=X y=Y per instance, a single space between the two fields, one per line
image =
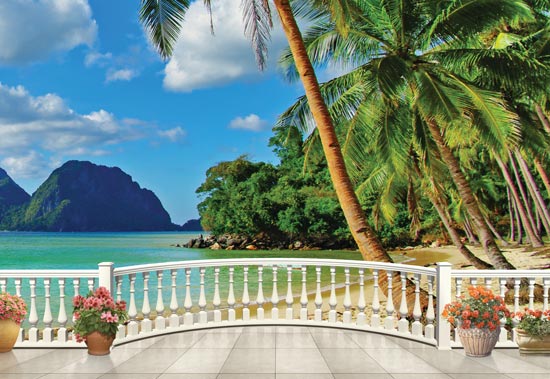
x=543 y=174
x=518 y=205
x=537 y=242
x=366 y=239
x=540 y=206
x=495 y=232
x=369 y=245
x=486 y=238
x=542 y=117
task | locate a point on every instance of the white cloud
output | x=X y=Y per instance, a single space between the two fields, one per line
x=251 y=122
x=25 y=166
x=201 y=60
x=31 y=30
x=124 y=74
x=174 y=134
x=95 y=58
x=32 y=128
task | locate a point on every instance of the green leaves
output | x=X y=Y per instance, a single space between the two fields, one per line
x=162 y=19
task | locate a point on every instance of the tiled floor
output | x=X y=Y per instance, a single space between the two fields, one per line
x=272 y=352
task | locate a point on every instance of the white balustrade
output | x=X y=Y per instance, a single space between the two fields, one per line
x=443 y=284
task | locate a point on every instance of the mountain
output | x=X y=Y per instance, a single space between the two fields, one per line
x=82 y=196
x=193 y=225
x=10 y=193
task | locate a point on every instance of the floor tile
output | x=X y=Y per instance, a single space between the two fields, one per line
x=47 y=363
x=503 y=363
x=478 y=376
x=256 y=341
x=295 y=341
x=178 y=340
x=527 y=376
x=217 y=341
x=293 y=329
x=250 y=361
x=373 y=340
x=150 y=361
x=306 y=376
x=351 y=361
x=97 y=364
x=306 y=361
x=128 y=376
x=246 y=376
x=400 y=361
x=23 y=376
x=70 y=376
x=420 y=376
x=362 y=376
x=328 y=339
x=259 y=329
x=196 y=361
x=188 y=376
x=452 y=362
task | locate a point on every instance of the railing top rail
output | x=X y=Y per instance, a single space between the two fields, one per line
x=395 y=267
x=19 y=274
x=500 y=273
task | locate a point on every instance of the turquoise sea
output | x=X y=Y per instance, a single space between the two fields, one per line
x=30 y=250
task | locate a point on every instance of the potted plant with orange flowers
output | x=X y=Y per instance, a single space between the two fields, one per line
x=477 y=320
x=533 y=331
x=12 y=312
x=96 y=320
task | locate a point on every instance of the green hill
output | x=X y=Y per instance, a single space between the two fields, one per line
x=82 y=196
x=10 y=193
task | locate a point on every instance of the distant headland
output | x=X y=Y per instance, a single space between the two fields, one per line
x=81 y=196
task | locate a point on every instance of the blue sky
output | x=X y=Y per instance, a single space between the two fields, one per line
x=79 y=80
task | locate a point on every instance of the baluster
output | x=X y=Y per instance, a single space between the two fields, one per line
x=33 y=314
x=91 y=283
x=429 y=330
x=473 y=282
x=160 y=321
x=318 y=296
x=188 y=302
x=76 y=286
x=289 y=297
x=47 y=333
x=3 y=284
x=347 y=299
x=375 y=318
x=274 y=295
x=174 y=318
x=531 y=293
x=18 y=282
x=146 y=324
x=388 y=322
x=361 y=305
x=517 y=282
x=417 y=312
x=246 y=297
x=503 y=337
x=216 y=301
x=132 y=310
x=231 y=315
x=403 y=323
x=202 y=298
x=546 y=288
x=62 y=334
x=458 y=285
x=332 y=300
x=488 y=283
x=260 y=298
x=118 y=281
x=303 y=297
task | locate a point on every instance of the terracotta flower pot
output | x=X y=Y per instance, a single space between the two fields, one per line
x=9 y=330
x=532 y=345
x=478 y=342
x=99 y=344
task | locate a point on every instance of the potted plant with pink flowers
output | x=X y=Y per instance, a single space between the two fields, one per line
x=96 y=320
x=12 y=313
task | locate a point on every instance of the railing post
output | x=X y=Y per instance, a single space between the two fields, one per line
x=106 y=275
x=443 y=328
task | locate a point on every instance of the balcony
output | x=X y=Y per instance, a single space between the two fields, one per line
x=329 y=316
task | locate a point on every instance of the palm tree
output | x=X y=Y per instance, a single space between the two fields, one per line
x=408 y=57
x=163 y=21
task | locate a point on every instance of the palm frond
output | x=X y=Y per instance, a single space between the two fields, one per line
x=257 y=27
x=162 y=20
